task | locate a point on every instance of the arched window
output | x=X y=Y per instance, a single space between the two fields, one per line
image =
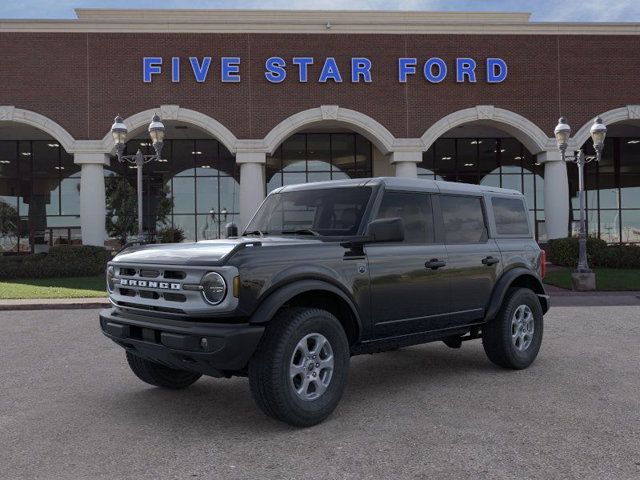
x=316 y=157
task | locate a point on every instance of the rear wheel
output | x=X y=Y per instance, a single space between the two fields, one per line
x=513 y=338
x=159 y=375
x=300 y=368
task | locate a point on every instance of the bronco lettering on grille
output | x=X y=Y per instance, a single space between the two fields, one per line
x=128 y=282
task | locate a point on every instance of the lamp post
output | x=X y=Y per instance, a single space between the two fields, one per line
x=156 y=132
x=562 y=133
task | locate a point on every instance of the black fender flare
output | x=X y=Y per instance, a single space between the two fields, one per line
x=280 y=295
x=506 y=280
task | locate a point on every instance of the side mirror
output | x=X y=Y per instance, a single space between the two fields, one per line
x=385 y=230
x=231 y=229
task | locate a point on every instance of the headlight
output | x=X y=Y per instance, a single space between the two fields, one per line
x=214 y=288
x=111 y=272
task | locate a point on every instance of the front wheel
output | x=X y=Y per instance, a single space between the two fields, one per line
x=513 y=338
x=300 y=368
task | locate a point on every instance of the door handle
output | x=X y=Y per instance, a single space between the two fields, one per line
x=434 y=264
x=488 y=261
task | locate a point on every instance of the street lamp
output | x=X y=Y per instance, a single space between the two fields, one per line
x=156 y=132
x=598 y=133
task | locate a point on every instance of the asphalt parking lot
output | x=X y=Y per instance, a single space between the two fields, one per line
x=70 y=408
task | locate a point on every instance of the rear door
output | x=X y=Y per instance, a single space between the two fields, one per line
x=474 y=259
x=408 y=295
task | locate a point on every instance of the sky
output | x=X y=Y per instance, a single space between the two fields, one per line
x=542 y=10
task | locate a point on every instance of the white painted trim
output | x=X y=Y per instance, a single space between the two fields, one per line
x=516 y=125
x=331 y=114
x=9 y=113
x=622 y=114
x=305 y=21
x=175 y=112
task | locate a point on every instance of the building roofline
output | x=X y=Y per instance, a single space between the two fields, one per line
x=310 y=21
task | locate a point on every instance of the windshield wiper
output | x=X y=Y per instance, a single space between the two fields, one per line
x=255 y=232
x=301 y=231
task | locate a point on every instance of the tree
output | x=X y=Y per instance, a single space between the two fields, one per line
x=122 y=208
x=9 y=223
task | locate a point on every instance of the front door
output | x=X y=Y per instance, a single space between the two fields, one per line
x=409 y=284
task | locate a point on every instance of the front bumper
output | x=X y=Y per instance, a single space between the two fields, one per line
x=213 y=349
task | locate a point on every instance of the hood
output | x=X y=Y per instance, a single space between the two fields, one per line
x=207 y=252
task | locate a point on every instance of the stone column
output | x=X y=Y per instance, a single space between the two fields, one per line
x=556 y=194
x=406 y=163
x=92 y=197
x=252 y=184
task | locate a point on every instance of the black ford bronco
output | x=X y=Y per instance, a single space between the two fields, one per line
x=329 y=270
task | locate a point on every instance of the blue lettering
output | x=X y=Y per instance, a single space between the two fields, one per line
x=330 y=71
x=303 y=65
x=200 y=71
x=465 y=67
x=428 y=70
x=150 y=66
x=275 y=69
x=496 y=70
x=360 y=67
x=175 y=69
x=230 y=69
x=406 y=66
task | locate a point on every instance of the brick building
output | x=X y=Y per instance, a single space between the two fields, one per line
x=256 y=99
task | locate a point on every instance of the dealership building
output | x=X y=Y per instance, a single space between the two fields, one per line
x=252 y=100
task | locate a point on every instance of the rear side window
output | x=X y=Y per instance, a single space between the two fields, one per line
x=415 y=211
x=510 y=215
x=463 y=219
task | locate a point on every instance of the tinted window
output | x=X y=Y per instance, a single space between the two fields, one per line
x=463 y=219
x=510 y=215
x=331 y=211
x=415 y=211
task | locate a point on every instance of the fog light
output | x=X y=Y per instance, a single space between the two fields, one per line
x=214 y=288
x=111 y=272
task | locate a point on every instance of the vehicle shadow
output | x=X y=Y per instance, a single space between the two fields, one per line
x=228 y=404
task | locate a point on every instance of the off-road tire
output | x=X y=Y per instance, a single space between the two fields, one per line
x=269 y=376
x=159 y=375
x=497 y=334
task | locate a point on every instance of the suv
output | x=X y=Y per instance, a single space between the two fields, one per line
x=329 y=270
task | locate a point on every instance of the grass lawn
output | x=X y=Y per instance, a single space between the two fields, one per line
x=606 y=278
x=73 y=287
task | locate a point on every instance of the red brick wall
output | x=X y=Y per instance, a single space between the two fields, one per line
x=82 y=80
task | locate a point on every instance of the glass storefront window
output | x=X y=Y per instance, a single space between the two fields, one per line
x=318 y=157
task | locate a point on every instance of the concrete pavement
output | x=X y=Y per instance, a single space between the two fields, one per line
x=70 y=408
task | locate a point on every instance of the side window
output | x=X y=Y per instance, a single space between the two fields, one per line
x=415 y=211
x=510 y=215
x=463 y=219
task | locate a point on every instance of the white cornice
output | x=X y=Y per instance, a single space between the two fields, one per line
x=301 y=21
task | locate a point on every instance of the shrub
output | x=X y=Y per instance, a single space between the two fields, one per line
x=61 y=261
x=170 y=235
x=564 y=252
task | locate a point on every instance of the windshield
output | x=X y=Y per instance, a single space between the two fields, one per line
x=326 y=212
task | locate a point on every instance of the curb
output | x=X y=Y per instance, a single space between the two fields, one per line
x=46 y=304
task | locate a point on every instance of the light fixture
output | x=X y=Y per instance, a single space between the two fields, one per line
x=119 y=132
x=476 y=142
x=469 y=164
x=205 y=166
x=59 y=168
x=562 y=133
x=196 y=153
x=25 y=154
x=502 y=150
x=5 y=161
x=517 y=158
x=145 y=144
x=446 y=158
x=598 y=133
x=633 y=142
x=53 y=145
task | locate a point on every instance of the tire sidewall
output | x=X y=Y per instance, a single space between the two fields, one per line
x=522 y=358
